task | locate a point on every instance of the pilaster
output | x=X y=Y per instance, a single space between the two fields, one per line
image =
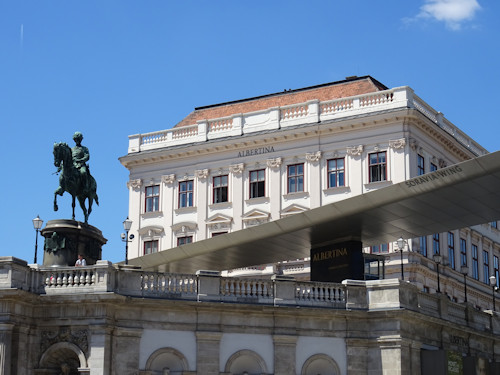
x=208 y=352
x=284 y=354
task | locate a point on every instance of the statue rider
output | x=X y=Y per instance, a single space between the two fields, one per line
x=80 y=156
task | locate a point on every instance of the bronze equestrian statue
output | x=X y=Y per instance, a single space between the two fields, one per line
x=74 y=175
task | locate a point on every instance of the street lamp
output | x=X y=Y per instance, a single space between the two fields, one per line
x=465 y=270
x=437 y=258
x=127 y=224
x=37 y=224
x=493 y=283
x=401 y=245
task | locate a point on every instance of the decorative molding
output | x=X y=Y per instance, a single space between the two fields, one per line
x=442 y=163
x=397 y=144
x=413 y=144
x=274 y=163
x=355 y=150
x=237 y=168
x=65 y=334
x=184 y=228
x=134 y=184
x=168 y=179
x=313 y=157
x=201 y=174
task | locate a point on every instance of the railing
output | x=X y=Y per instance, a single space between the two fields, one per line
x=297 y=114
x=209 y=286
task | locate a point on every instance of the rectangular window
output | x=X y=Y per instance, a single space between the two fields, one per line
x=336 y=173
x=463 y=252
x=186 y=194
x=486 y=267
x=184 y=240
x=494 y=224
x=435 y=244
x=383 y=248
x=496 y=270
x=433 y=167
x=295 y=178
x=475 y=263
x=150 y=247
x=420 y=165
x=220 y=189
x=152 y=198
x=423 y=245
x=451 y=250
x=378 y=166
x=258 y=183
x=218 y=234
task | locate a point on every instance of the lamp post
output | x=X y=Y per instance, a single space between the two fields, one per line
x=401 y=245
x=127 y=224
x=493 y=283
x=437 y=258
x=465 y=270
x=37 y=224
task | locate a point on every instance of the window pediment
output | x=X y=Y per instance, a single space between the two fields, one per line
x=293 y=209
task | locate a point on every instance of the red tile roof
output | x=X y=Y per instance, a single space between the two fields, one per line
x=349 y=87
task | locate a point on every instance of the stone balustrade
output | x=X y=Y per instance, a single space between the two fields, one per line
x=209 y=286
x=308 y=113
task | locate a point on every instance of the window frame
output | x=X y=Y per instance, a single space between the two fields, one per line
x=451 y=250
x=297 y=178
x=187 y=195
x=463 y=252
x=220 y=190
x=420 y=165
x=152 y=201
x=433 y=167
x=436 y=248
x=475 y=262
x=339 y=173
x=486 y=267
x=423 y=245
x=383 y=248
x=377 y=172
x=496 y=269
x=256 y=186
x=184 y=240
x=151 y=242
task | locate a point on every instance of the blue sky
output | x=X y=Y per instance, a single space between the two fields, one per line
x=114 y=68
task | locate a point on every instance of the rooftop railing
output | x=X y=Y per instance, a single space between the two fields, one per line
x=209 y=286
x=311 y=112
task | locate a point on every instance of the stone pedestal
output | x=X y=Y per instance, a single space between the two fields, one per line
x=65 y=239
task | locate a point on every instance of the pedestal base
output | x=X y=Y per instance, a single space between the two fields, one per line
x=65 y=239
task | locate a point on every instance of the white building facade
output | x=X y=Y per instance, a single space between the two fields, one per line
x=231 y=166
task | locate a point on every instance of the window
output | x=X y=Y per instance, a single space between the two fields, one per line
x=336 y=173
x=218 y=234
x=383 y=248
x=486 y=267
x=435 y=244
x=423 y=245
x=496 y=270
x=463 y=252
x=152 y=198
x=186 y=193
x=220 y=189
x=433 y=167
x=295 y=178
x=451 y=250
x=420 y=165
x=494 y=224
x=378 y=166
x=475 y=263
x=257 y=183
x=184 y=240
x=150 y=247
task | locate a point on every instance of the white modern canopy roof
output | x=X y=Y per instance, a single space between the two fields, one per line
x=457 y=196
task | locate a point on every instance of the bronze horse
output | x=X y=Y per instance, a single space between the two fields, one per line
x=71 y=180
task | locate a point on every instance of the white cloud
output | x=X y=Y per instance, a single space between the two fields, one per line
x=452 y=12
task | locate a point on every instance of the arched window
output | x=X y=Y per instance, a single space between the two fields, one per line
x=246 y=362
x=320 y=364
x=167 y=361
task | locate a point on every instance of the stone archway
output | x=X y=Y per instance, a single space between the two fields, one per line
x=63 y=358
x=166 y=360
x=320 y=364
x=246 y=362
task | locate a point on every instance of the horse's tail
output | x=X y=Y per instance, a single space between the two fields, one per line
x=96 y=199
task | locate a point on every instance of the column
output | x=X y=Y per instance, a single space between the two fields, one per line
x=5 y=348
x=274 y=187
x=99 y=360
x=314 y=178
x=202 y=202
x=126 y=341
x=237 y=194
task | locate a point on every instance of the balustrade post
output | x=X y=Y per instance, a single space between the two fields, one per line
x=202 y=130
x=285 y=288
x=209 y=284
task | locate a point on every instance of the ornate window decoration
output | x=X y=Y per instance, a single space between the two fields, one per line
x=255 y=217
x=219 y=223
x=292 y=210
